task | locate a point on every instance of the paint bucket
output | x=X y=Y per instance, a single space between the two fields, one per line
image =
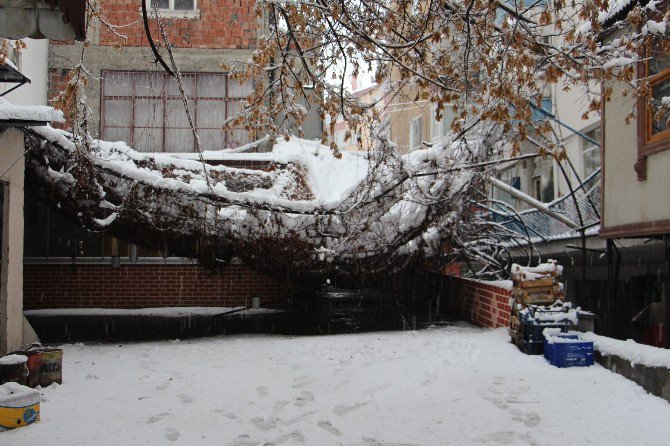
x=34 y=365
x=19 y=406
x=255 y=302
x=13 y=368
x=45 y=365
x=51 y=370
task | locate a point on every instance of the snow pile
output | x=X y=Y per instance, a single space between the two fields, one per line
x=15 y=389
x=555 y=313
x=13 y=360
x=547 y=270
x=630 y=351
x=555 y=336
x=503 y=284
x=39 y=113
x=450 y=386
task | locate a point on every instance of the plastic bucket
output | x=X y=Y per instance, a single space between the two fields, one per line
x=19 y=406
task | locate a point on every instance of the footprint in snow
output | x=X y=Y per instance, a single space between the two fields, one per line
x=304 y=398
x=342 y=409
x=297 y=437
x=265 y=424
x=376 y=390
x=262 y=391
x=500 y=437
x=300 y=417
x=530 y=419
x=92 y=376
x=157 y=418
x=327 y=426
x=281 y=404
x=171 y=434
x=185 y=398
x=163 y=386
x=302 y=383
x=244 y=440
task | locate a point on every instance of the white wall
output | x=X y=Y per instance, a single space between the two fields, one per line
x=627 y=200
x=33 y=64
x=11 y=270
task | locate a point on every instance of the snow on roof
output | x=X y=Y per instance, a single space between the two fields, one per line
x=37 y=113
x=618 y=8
x=329 y=179
x=168 y=312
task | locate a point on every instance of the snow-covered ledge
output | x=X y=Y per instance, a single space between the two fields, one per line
x=646 y=365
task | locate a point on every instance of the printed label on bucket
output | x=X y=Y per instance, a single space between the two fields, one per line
x=13 y=417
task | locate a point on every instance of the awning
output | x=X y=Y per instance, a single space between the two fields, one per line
x=9 y=74
x=40 y=19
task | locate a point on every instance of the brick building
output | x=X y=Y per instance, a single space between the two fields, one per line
x=132 y=99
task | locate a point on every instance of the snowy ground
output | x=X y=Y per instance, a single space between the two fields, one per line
x=457 y=385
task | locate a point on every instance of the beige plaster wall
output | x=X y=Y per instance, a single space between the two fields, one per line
x=627 y=200
x=11 y=278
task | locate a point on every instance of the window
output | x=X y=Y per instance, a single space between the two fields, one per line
x=543 y=178
x=590 y=152
x=415 y=133
x=173 y=5
x=545 y=105
x=657 y=70
x=50 y=235
x=511 y=177
x=442 y=127
x=178 y=9
x=146 y=110
x=535 y=112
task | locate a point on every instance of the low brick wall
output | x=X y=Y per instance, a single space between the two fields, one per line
x=145 y=285
x=478 y=303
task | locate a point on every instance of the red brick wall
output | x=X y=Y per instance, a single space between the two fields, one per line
x=478 y=303
x=141 y=286
x=222 y=24
x=58 y=79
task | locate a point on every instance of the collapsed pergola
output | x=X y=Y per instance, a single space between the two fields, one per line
x=391 y=213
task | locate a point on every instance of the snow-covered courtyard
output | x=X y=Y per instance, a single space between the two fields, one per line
x=456 y=385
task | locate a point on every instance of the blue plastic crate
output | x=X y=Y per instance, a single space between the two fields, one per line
x=568 y=351
x=533 y=331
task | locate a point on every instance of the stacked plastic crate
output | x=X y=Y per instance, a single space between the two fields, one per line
x=567 y=349
x=536 y=304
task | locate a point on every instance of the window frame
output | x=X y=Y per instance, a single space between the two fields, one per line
x=649 y=144
x=587 y=147
x=414 y=145
x=170 y=12
x=194 y=100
